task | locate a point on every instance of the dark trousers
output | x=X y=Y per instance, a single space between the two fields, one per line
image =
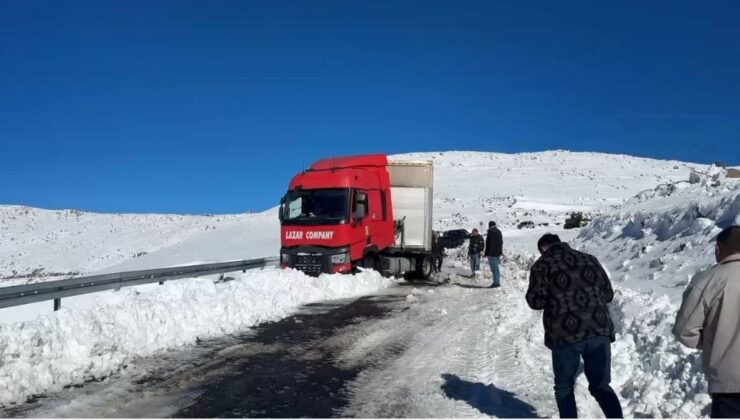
x=596 y=354
x=725 y=406
x=438 y=263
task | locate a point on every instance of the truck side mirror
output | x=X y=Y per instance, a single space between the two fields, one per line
x=360 y=212
x=281 y=209
x=360 y=206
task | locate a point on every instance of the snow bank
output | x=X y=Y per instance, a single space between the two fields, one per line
x=75 y=345
x=652 y=246
x=658 y=240
x=653 y=373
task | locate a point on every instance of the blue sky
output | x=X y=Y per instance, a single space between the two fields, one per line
x=211 y=106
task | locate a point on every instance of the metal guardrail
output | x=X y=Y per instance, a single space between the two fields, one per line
x=58 y=289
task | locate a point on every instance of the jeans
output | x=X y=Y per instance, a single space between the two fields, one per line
x=596 y=354
x=474 y=263
x=493 y=262
x=437 y=263
x=725 y=406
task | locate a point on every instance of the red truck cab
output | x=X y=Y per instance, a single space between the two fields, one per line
x=339 y=214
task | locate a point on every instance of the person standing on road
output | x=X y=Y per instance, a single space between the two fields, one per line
x=494 y=250
x=709 y=320
x=574 y=291
x=475 y=250
x=437 y=252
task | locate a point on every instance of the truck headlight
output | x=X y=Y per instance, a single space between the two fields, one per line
x=342 y=258
x=284 y=258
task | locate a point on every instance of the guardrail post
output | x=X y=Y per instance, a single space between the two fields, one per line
x=57 y=303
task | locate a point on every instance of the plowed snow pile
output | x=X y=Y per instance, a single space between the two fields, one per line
x=652 y=247
x=75 y=345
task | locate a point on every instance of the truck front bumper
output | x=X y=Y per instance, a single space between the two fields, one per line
x=316 y=260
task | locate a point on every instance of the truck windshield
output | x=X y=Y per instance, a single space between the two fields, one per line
x=316 y=207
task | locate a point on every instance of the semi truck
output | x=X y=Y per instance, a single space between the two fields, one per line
x=359 y=211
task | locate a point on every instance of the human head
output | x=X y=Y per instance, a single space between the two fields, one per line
x=728 y=243
x=546 y=241
x=491 y=224
x=475 y=232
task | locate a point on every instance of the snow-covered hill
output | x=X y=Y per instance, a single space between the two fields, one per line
x=38 y=244
x=470 y=189
x=474 y=187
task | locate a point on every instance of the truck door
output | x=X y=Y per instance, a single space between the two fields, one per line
x=360 y=212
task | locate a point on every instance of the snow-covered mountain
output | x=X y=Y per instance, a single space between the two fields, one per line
x=652 y=230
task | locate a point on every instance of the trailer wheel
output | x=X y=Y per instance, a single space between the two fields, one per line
x=425 y=267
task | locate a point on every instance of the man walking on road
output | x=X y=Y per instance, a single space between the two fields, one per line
x=574 y=291
x=709 y=320
x=475 y=249
x=494 y=249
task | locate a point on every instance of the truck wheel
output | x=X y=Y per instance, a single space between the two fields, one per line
x=425 y=268
x=371 y=261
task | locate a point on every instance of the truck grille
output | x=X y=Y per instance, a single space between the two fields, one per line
x=309 y=264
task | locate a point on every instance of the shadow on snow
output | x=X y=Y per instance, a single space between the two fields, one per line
x=488 y=399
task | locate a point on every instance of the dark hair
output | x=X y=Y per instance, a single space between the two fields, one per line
x=548 y=239
x=491 y=224
x=730 y=237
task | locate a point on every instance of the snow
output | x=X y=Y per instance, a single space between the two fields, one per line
x=74 y=345
x=652 y=230
x=484 y=348
x=39 y=245
x=471 y=188
x=658 y=240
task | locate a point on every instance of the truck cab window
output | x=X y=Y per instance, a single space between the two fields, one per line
x=316 y=207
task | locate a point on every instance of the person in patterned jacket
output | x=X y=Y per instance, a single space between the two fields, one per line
x=574 y=291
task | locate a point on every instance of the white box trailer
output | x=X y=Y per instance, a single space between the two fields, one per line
x=411 y=199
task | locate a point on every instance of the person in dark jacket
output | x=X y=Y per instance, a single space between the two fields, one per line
x=475 y=250
x=494 y=250
x=437 y=252
x=574 y=291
